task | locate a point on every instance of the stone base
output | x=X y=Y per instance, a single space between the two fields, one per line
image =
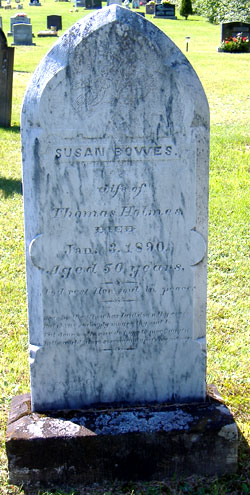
x=47 y=34
x=23 y=44
x=173 y=17
x=66 y=449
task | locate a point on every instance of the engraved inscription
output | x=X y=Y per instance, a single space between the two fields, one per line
x=111 y=190
x=102 y=151
x=113 y=268
x=114 y=331
x=115 y=245
x=125 y=211
x=150 y=289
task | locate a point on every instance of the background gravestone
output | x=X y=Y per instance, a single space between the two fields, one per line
x=110 y=2
x=150 y=9
x=54 y=20
x=80 y=3
x=18 y=19
x=93 y=4
x=6 y=80
x=22 y=34
x=34 y=3
x=166 y=11
x=231 y=29
x=116 y=225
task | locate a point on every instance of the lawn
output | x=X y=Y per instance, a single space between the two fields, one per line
x=225 y=78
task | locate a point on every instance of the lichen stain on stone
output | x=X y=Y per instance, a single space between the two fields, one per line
x=36 y=155
x=229 y=432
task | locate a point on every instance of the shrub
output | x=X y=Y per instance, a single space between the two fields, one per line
x=186 y=8
x=223 y=10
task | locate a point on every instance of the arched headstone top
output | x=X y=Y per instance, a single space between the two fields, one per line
x=115 y=131
x=129 y=46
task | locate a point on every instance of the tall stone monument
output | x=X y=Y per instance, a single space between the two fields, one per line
x=115 y=195
x=6 y=80
x=115 y=133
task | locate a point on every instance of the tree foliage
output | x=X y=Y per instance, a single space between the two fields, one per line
x=186 y=8
x=224 y=10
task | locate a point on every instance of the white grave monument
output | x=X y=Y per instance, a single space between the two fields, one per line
x=115 y=130
x=115 y=194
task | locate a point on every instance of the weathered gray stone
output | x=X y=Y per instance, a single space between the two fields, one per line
x=150 y=9
x=6 y=80
x=115 y=174
x=18 y=19
x=22 y=34
x=110 y=2
x=3 y=40
x=72 y=448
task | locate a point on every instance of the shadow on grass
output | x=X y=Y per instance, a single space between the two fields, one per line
x=10 y=186
x=188 y=20
x=13 y=128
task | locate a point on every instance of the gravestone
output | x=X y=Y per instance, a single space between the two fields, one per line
x=110 y=2
x=115 y=176
x=6 y=80
x=3 y=40
x=166 y=11
x=54 y=20
x=96 y=4
x=231 y=29
x=80 y=3
x=18 y=19
x=35 y=3
x=150 y=8
x=22 y=34
x=93 y=4
x=125 y=233
x=47 y=34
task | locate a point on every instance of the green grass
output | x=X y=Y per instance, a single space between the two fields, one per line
x=225 y=78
